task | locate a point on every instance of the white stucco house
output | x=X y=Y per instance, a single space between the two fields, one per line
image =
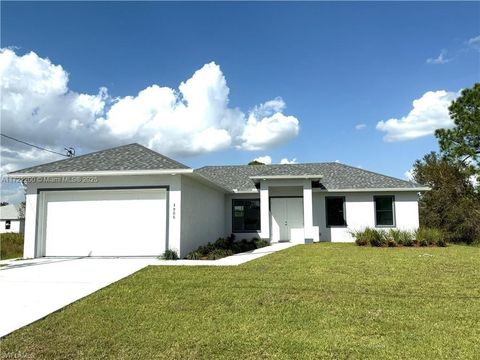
x=132 y=201
x=11 y=219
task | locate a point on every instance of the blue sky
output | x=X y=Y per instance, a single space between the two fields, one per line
x=334 y=65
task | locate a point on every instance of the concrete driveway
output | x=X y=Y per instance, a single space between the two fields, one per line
x=32 y=289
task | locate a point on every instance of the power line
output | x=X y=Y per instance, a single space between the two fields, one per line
x=35 y=146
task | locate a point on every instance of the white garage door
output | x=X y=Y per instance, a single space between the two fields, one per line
x=105 y=222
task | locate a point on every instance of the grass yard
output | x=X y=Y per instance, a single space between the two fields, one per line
x=322 y=301
x=11 y=245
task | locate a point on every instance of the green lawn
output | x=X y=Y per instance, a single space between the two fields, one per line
x=317 y=301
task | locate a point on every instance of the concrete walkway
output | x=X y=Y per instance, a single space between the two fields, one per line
x=32 y=289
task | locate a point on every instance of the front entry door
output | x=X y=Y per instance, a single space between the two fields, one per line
x=287 y=219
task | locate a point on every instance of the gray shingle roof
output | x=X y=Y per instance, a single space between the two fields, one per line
x=121 y=158
x=334 y=176
x=234 y=178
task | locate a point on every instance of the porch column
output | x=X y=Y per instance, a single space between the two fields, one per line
x=264 y=211
x=308 y=212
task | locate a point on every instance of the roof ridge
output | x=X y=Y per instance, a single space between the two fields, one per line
x=245 y=165
x=164 y=156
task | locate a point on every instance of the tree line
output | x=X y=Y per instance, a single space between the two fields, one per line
x=453 y=174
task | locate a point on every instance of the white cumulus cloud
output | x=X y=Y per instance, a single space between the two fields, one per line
x=267 y=160
x=360 y=126
x=267 y=125
x=429 y=112
x=39 y=107
x=194 y=120
x=286 y=161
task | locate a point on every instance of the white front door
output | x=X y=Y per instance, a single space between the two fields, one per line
x=287 y=219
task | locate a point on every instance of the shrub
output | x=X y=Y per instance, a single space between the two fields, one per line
x=379 y=238
x=225 y=247
x=223 y=243
x=436 y=235
x=383 y=235
x=361 y=239
x=405 y=238
x=206 y=249
x=365 y=237
x=260 y=243
x=243 y=245
x=375 y=237
x=428 y=236
x=170 y=255
x=194 y=255
x=395 y=235
x=392 y=243
x=401 y=237
x=219 y=253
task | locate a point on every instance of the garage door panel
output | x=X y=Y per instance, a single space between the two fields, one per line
x=105 y=223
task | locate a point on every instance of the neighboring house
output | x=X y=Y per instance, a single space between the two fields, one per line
x=10 y=219
x=132 y=201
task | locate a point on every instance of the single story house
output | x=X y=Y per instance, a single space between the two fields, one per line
x=11 y=220
x=132 y=201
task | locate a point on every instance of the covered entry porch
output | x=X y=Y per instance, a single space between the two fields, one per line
x=286 y=208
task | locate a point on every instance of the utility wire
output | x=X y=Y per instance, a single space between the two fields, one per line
x=35 y=146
